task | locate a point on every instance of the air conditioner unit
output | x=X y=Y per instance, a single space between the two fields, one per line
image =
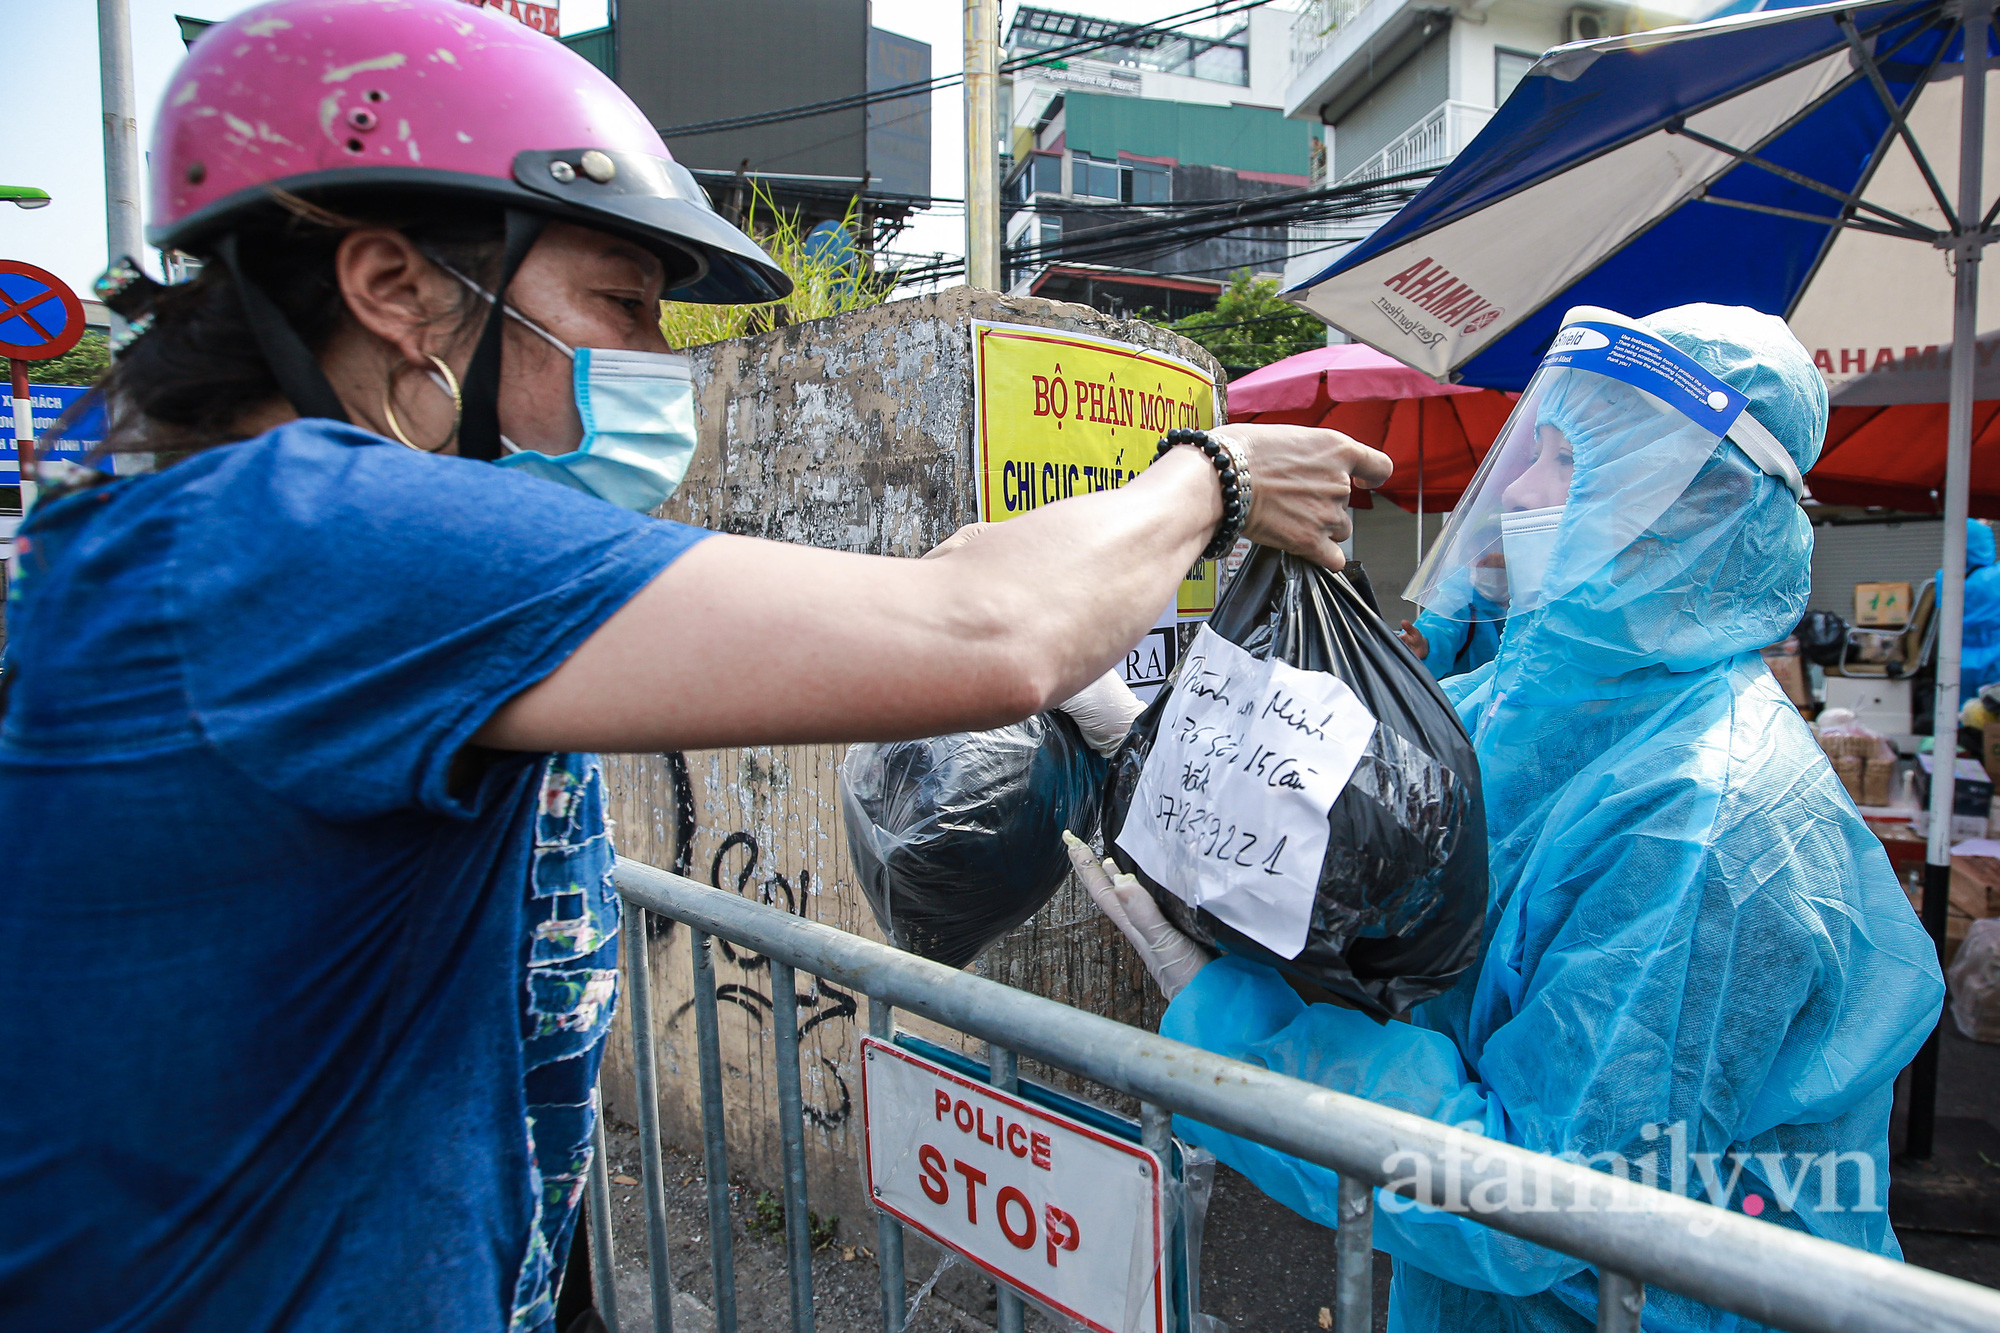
x=1584 y=25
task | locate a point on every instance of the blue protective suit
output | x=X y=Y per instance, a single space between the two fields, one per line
x=1979 y=663
x=1693 y=944
x=1459 y=646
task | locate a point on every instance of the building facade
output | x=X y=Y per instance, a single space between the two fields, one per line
x=1106 y=150
x=1398 y=86
x=691 y=63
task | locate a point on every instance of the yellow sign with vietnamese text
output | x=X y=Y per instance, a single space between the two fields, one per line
x=1060 y=414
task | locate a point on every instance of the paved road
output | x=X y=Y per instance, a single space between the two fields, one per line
x=1936 y=1209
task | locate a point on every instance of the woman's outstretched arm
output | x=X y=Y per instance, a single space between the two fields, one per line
x=744 y=642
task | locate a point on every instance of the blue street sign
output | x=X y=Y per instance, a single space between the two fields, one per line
x=47 y=403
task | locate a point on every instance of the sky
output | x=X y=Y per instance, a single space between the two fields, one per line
x=54 y=78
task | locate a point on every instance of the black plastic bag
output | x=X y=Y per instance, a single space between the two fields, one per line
x=1822 y=637
x=958 y=839
x=1402 y=891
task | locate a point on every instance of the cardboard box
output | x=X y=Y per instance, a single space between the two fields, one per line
x=1849 y=769
x=1963 y=827
x=1881 y=603
x=1991 y=750
x=1790 y=671
x=1861 y=747
x=1975 y=894
x=1875 y=780
x=1975 y=886
x=1971 y=791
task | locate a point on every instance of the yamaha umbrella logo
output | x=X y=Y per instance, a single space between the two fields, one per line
x=1429 y=292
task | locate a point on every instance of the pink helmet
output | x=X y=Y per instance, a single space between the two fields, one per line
x=316 y=97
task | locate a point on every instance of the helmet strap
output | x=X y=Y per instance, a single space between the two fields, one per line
x=479 y=429
x=292 y=363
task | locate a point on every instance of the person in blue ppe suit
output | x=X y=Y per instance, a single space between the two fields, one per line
x=1697 y=959
x=1979 y=660
x=1454 y=645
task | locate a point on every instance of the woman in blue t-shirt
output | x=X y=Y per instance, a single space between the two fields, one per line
x=314 y=943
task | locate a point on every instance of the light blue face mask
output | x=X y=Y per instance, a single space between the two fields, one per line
x=638 y=428
x=637 y=410
x=1528 y=540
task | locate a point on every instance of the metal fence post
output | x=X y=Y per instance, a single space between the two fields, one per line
x=888 y=1231
x=715 y=1140
x=603 y=1265
x=1156 y=1131
x=1619 y=1302
x=792 y=1129
x=1005 y=1069
x=652 y=1174
x=1354 y=1257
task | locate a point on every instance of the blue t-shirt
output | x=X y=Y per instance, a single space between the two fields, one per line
x=301 y=1000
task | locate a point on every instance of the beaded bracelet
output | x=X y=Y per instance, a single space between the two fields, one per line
x=1235 y=474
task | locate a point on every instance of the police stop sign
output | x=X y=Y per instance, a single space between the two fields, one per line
x=1067 y=1214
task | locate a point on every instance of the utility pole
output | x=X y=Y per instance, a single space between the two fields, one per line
x=24 y=430
x=1966 y=241
x=982 y=164
x=121 y=135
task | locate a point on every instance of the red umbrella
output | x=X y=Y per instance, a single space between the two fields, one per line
x=1894 y=456
x=1436 y=433
x=1885 y=441
x=1881 y=453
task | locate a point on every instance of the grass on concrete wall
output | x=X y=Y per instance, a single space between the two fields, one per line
x=826 y=280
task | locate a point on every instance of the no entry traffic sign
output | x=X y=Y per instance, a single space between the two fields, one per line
x=1064 y=1213
x=40 y=316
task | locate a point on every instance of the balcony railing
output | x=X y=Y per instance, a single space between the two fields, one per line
x=1316 y=26
x=1426 y=145
x=1431 y=142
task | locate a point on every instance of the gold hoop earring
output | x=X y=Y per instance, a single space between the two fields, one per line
x=389 y=407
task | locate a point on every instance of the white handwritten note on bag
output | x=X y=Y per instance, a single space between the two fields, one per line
x=1230 y=811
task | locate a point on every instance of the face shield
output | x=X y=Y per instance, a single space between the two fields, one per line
x=1612 y=428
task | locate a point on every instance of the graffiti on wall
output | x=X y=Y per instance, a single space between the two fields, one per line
x=736 y=860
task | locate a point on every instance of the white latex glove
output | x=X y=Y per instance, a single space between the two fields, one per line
x=1170 y=956
x=1104 y=711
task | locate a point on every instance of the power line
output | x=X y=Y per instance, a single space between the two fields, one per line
x=1161 y=237
x=1158 y=236
x=1296 y=254
x=1166 y=240
x=806 y=110
x=1171 y=23
x=1187 y=18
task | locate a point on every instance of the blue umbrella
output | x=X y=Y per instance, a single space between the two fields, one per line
x=1820 y=163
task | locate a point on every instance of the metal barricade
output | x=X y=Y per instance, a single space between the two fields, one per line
x=1632 y=1234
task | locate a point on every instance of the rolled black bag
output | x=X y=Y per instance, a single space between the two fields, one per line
x=1822 y=637
x=958 y=839
x=1401 y=899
